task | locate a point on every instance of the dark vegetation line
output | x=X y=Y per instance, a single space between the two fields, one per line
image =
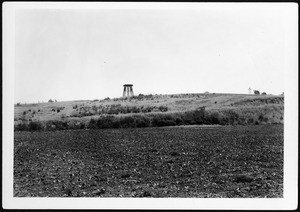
x=195 y=117
x=113 y=109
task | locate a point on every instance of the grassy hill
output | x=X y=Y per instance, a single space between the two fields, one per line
x=246 y=109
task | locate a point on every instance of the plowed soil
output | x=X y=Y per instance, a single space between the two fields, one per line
x=198 y=161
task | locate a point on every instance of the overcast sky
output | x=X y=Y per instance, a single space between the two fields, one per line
x=89 y=54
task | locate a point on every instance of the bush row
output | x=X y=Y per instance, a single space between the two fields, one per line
x=115 y=109
x=199 y=116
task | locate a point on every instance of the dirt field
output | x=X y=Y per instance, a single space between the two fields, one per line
x=198 y=161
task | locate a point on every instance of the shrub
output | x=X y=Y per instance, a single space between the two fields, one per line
x=94 y=108
x=224 y=120
x=261 y=117
x=142 y=121
x=212 y=118
x=147 y=109
x=160 y=120
x=92 y=124
x=149 y=96
x=163 y=108
x=188 y=118
x=113 y=110
x=242 y=121
x=81 y=125
x=178 y=121
x=123 y=110
x=135 y=109
x=35 y=125
x=58 y=125
x=108 y=122
x=127 y=122
x=75 y=114
x=199 y=115
x=194 y=117
x=231 y=117
x=74 y=124
x=250 y=121
x=21 y=127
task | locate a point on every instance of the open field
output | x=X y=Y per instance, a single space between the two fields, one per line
x=227 y=108
x=198 y=161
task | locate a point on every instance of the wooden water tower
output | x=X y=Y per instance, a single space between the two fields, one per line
x=128 y=91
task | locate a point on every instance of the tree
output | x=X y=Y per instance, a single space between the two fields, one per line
x=50 y=100
x=263 y=93
x=256 y=92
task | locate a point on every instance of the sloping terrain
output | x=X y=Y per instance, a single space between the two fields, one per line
x=269 y=105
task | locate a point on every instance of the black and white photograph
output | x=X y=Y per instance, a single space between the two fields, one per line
x=150 y=105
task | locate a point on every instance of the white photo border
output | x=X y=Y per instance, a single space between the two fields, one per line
x=288 y=202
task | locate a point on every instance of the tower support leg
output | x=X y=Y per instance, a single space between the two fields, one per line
x=131 y=91
x=124 y=92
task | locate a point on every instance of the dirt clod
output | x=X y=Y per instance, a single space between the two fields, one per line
x=99 y=191
x=146 y=194
x=243 y=179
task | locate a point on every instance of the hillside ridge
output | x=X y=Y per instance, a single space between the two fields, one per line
x=245 y=105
